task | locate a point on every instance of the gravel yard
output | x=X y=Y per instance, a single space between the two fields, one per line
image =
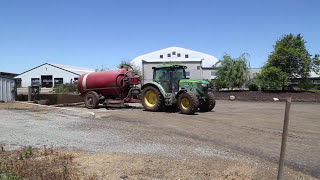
x=248 y=133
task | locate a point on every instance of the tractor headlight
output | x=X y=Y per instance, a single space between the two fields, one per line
x=204 y=85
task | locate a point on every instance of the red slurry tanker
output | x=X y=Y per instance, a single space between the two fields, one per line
x=114 y=86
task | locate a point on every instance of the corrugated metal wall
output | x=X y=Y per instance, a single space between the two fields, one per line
x=7 y=89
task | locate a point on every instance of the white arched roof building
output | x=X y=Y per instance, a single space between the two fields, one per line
x=199 y=65
x=207 y=60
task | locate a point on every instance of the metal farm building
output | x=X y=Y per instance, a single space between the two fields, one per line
x=199 y=65
x=8 y=89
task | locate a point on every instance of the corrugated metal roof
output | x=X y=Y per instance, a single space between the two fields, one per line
x=72 y=69
x=77 y=70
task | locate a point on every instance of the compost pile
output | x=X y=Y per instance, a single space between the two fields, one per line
x=268 y=96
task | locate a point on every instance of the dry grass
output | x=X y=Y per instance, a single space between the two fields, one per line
x=140 y=167
x=29 y=163
x=49 y=163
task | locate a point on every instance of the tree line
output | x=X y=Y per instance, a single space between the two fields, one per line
x=288 y=62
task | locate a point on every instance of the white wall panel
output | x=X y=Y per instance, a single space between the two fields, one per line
x=45 y=70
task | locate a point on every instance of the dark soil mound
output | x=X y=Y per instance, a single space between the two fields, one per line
x=268 y=96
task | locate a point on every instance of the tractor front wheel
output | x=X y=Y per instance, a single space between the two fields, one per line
x=188 y=103
x=151 y=99
x=209 y=104
x=91 y=100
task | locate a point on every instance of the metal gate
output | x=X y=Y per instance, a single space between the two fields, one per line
x=7 y=89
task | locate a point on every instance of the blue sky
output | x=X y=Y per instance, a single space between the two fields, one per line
x=95 y=33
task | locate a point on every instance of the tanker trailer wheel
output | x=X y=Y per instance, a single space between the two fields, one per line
x=188 y=103
x=151 y=99
x=209 y=104
x=91 y=100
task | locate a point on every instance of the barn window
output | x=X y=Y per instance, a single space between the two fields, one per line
x=161 y=56
x=179 y=55
x=46 y=81
x=169 y=55
x=58 y=81
x=35 y=81
x=173 y=53
x=75 y=80
x=187 y=74
x=186 y=56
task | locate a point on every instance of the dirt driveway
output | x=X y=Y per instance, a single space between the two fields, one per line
x=240 y=131
x=251 y=127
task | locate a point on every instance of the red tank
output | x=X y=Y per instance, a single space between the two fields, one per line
x=113 y=84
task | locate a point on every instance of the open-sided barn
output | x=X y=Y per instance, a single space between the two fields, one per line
x=51 y=75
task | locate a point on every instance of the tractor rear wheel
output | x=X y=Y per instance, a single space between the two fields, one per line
x=91 y=100
x=188 y=103
x=209 y=104
x=151 y=99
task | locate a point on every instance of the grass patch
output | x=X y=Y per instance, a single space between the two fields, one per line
x=313 y=90
x=30 y=163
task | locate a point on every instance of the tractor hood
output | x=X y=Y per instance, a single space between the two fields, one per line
x=199 y=87
x=194 y=81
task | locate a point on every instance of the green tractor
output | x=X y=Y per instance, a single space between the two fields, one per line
x=171 y=88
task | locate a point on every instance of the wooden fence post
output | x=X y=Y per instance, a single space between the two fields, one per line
x=284 y=138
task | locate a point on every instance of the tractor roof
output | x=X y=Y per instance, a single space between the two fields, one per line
x=169 y=66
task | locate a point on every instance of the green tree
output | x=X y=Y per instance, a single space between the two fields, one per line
x=231 y=72
x=130 y=66
x=316 y=64
x=291 y=56
x=102 y=68
x=272 y=77
x=124 y=63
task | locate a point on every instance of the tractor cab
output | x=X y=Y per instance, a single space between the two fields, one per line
x=168 y=76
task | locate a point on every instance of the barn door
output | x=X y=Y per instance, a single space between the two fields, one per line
x=46 y=81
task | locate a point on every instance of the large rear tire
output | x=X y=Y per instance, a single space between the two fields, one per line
x=188 y=103
x=91 y=100
x=151 y=99
x=209 y=104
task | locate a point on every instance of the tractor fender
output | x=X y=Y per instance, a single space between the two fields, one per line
x=155 y=84
x=180 y=92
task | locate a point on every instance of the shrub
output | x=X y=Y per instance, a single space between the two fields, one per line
x=212 y=84
x=253 y=85
x=66 y=88
x=305 y=83
x=272 y=77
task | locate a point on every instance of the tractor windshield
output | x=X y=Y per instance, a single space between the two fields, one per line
x=162 y=76
x=166 y=77
x=178 y=74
